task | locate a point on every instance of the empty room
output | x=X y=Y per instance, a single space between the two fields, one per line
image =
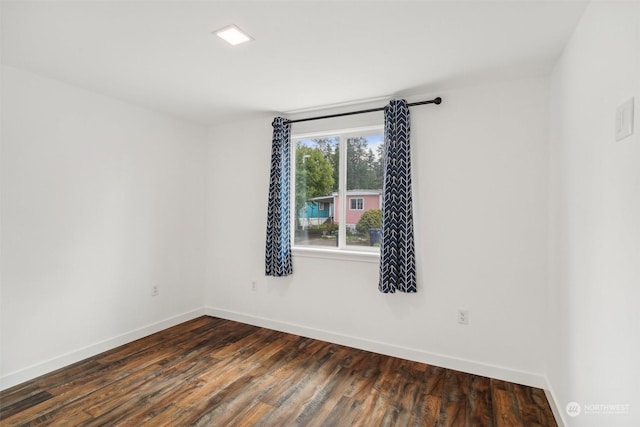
x=320 y=213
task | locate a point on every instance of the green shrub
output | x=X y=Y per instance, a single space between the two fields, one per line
x=327 y=226
x=369 y=219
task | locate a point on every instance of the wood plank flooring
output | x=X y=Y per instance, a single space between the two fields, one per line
x=215 y=372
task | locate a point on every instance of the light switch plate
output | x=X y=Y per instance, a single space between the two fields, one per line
x=624 y=120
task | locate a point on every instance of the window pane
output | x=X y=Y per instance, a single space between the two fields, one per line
x=316 y=191
x=364 y=189
x=356 y=203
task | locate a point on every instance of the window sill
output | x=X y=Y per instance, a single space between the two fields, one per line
x=337 y=254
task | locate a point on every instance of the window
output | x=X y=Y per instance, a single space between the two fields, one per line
x=356 y=204
x=337 y=189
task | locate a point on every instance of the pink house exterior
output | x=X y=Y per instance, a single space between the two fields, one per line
x=358 y=202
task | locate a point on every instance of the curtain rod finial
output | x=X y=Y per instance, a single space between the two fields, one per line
x=437 y=101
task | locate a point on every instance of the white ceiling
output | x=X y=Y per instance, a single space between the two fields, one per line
x=162 y=55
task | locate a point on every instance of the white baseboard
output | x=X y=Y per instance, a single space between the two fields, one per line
x=558 y=410
x=470 y=366
x=459 y=364
x=67 y=359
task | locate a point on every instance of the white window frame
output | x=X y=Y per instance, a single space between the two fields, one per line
x=342 y=251
x=320 y=206
x=355 y=199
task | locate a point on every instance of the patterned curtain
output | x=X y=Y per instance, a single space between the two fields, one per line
x=278 y=245
x=397 y=256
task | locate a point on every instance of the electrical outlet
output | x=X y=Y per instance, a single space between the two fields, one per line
x=463 y=316
x=155 y=290
x=254 y=285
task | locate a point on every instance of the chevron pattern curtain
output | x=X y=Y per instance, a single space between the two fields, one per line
x=397 y=254
x=278 y=244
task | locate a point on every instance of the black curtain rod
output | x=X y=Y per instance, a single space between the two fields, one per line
x=436 y=101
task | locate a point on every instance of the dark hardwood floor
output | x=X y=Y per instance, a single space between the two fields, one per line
x=214 y=372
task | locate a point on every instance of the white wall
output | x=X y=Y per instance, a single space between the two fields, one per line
x=594 y=288
x=480 y=164
x=100 y=200
x=1 y=221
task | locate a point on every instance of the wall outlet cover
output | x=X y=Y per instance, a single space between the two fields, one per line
x=463 y=316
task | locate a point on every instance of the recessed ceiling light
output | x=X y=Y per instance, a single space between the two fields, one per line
x=233 y=35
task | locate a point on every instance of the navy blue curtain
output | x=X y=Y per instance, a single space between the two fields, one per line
x=278 y=244
x=397 y=253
